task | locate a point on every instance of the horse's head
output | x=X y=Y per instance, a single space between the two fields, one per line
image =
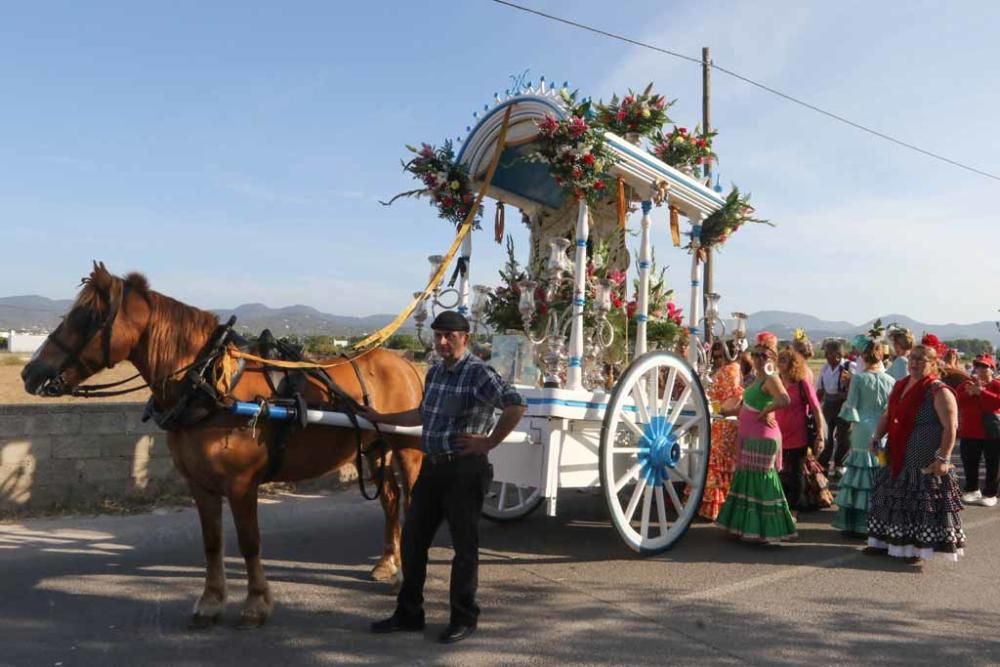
x=94 y=335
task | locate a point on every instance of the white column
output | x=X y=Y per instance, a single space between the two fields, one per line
x=574 y=374
x=694 y=314
x=463 y=278
x=645 y=265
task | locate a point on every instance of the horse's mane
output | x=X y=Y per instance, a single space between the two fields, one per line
x=176 y=330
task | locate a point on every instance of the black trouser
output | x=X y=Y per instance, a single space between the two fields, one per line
x=838 y=433
x=974 y=449
x=452 y=491
x=791 y=475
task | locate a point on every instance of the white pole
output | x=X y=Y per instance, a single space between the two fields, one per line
x=694 y=315
x=463 y=279
x=645 y=264
x=574 y=375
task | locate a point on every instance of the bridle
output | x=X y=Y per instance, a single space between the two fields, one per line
x=74 y=355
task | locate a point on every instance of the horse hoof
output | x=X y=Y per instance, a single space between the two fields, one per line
x=385 y=571
x=251 y=621
x=202 y=622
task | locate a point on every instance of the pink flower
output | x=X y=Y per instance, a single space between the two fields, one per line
x=617 y=277
x=683 y=130
x=620 y=115
x=426 y=150
x=578 y=127
x=549 y=125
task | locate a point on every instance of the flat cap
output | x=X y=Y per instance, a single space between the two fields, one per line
x=449 y=320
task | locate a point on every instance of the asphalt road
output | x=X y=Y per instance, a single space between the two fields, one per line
x=119 y=590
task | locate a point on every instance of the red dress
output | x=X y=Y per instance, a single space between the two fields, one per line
x=727 y=383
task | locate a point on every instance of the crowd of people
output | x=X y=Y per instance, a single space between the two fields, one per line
x=882 y=419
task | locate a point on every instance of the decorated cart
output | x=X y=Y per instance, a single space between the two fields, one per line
x=642 y=435
x=615 y=388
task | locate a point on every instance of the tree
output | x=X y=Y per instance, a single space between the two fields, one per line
x=970 y=347
x=403 y=341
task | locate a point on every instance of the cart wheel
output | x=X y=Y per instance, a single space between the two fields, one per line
x=655 y=440
x=506 y=501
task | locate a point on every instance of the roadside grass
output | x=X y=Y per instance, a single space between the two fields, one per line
x=8 y=359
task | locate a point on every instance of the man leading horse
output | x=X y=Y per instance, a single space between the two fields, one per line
x=461 y=394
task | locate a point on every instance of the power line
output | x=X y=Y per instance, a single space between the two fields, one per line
x=811 y=107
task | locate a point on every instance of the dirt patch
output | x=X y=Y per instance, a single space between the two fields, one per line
x=12 y=389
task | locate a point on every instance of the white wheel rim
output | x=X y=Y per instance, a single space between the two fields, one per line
x=506 y=500
x=654 y=441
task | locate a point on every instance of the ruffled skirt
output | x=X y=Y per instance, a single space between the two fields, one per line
x=854 y=492
x=755 y=508
x=916 y=514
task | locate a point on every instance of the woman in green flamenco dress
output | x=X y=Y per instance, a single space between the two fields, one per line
x=867 y=399
x=755 y=509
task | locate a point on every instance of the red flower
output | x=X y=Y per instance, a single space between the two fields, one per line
x=577 y=172
x=630 y=309
x=683 y=130
x=616 y=301
x=620 y=116
x=599 y=185
x=588 y=159
x=577 y=127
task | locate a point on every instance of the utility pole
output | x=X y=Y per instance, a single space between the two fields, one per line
x=706 y=124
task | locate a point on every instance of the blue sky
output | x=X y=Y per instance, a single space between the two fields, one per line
x=235 y=152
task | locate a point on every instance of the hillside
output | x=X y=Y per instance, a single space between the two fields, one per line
x=31 y=312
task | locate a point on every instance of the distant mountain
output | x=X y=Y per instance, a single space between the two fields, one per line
x=32 y=312
x=783 y=325
x=38 y=313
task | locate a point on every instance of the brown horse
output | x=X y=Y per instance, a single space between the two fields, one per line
x=114 y=319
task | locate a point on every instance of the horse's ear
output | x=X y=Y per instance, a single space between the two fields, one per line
x=100 y=278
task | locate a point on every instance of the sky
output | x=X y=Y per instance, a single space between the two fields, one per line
x=235 y=152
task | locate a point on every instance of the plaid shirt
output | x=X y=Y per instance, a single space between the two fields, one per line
x=462 y=399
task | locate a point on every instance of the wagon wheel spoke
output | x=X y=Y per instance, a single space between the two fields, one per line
x=647 y=498
x=661 y=511
x=674 y=499
x=632 y=426
x=634 y=501
x=638 y=395
x=667 y=393
x=681 y=403
x=684 y=477
x=624 y=479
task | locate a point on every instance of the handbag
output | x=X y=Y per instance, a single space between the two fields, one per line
x=815 y=486
x=991 y=423
x=812 y=429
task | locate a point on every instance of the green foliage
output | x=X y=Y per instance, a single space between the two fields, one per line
x=970 y=347
x=501 y=312
x=404 y=341
x=322 y=346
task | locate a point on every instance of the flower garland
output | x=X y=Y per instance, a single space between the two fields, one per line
x=641 y=114
x=575 y=151
x=720 y=225
x=682 y=150
x=446 y=182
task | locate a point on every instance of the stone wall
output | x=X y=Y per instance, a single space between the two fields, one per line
x=61 y=454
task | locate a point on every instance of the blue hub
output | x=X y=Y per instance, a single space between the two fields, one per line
x=658 y=449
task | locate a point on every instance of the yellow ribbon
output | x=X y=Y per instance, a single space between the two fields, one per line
x=382 y=334
x=675 y=227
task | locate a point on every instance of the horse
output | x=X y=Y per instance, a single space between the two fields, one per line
x=218 y=453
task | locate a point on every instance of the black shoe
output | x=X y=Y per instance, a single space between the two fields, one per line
x=396 y=624
x=456 y=632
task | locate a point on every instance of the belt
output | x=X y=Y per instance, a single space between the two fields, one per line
x=442 y=457
x=439 y=458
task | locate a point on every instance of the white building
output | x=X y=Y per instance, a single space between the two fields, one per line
x=21 y=342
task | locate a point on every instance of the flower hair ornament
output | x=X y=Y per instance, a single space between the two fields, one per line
x=800 y=334
x=930 y=340
x=768 y=340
